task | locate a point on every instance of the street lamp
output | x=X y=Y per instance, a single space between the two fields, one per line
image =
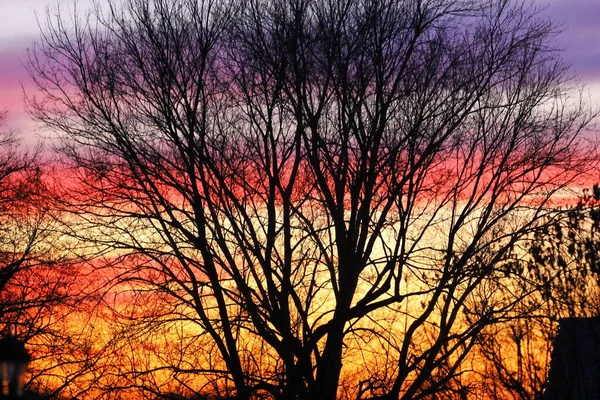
x=13 y=361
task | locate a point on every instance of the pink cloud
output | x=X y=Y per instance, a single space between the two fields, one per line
x=12 y=76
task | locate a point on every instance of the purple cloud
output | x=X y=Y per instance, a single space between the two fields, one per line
x=580 y=38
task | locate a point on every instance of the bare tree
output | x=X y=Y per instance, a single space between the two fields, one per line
x=317 y=191
x=39 y=273
x=18 y=185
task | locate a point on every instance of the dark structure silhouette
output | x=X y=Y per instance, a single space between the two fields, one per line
x=13 y=361
x=575 y=366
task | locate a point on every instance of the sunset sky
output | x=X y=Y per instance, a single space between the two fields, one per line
x=300 y=217
x=18 y=29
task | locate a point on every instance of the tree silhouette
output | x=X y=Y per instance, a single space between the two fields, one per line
x=39 y=272
x=561 y=261
x=307 y=199
x=18 y=185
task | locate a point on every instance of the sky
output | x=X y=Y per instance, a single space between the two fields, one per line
x=580 y=40
x=18 y=30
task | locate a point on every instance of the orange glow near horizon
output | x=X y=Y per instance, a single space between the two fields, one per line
x=167 y=352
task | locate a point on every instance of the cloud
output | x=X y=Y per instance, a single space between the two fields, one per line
x=13 y=76
x=18 y=19
x=580 y=39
